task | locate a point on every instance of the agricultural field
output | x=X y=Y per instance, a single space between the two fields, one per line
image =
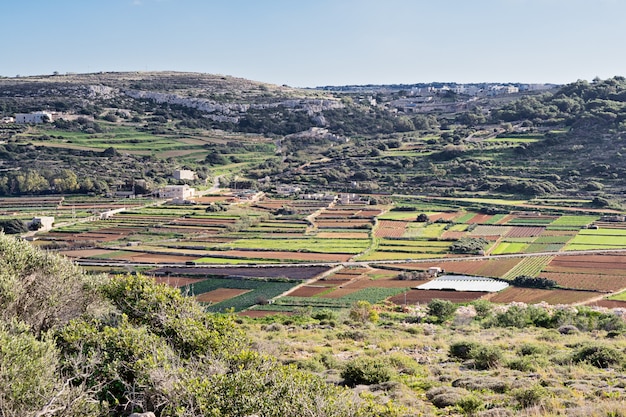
x=153 y=236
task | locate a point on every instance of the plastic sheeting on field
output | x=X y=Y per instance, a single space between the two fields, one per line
x=464 y=283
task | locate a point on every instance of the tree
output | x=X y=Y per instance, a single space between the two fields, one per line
x=441 y=310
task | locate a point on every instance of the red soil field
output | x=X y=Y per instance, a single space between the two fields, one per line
x=389 y=282
x=519 y=231
x=343 y=235
x=608 y=303
x=596 y=282
x=219 y=295
x=390 y=228
x=342 y=224
x=85 y=253
x=480 y=218
x=343 y=277
x=484 y=267
x=592 y=264
x=459 y=267
x=340 y=292
x=498 y=267
x=425 y=296
x=307 y=291
x=154 y=258
x=177 y=281
x=297 y=256
x=532 y=295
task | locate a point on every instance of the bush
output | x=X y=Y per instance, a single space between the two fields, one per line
x=487 y=357
x=599 y=356
x=528 y=397
x=366 y=371
x=463 y=349
x=470 y=404
x=441 y=310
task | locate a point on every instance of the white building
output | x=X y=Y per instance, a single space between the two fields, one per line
x=35 y=117
x=46 y=223
x=286 y=189
x=177 y=192
x=184 y=174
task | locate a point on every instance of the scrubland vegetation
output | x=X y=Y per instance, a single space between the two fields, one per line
x=77 y=344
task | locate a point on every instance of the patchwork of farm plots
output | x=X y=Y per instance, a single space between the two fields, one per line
x=255 y=236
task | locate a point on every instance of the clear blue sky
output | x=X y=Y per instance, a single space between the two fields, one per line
x=307 y=43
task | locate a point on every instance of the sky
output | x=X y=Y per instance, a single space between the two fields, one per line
x=310 y=43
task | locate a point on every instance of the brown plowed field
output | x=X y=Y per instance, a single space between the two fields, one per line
x=343 y=235
x=296 y=256
x=219 y=295
x=177 y=281
x=459 y=267
x=608 y=303
x=154 y=258
x=480 y=218
x=391 y=228
x=596 y=282
x=85 y=253
x=342 y=224
x=484 y=267
x=308 y=291
x=425 y=296
x=520 y=231
x=533 y=295
x=390 y=282
x=592 y=264
x=340 y=292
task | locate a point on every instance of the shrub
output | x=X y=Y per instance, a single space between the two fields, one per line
x=599 y=356
x=362 y=311
x=531 y=349
x=325 y=314
x=366 y=371
x=441 y=310
x=528 y=397
x=487 y=357
x=470 y=404
x=463 y=349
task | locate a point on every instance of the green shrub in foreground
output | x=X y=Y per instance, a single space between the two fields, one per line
x=599 y=356
x=367 y=371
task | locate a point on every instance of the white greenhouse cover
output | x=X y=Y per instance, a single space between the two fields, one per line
x=464 y=283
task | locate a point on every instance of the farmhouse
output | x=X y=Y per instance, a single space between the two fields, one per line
x=177 y=192
x=35 y=117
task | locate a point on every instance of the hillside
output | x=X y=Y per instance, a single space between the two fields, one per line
x=563 y=141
